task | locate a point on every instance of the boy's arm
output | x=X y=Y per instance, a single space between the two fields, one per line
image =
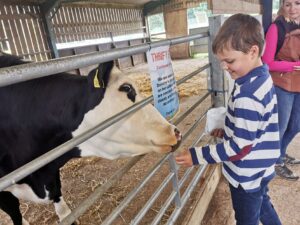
x=243 y=128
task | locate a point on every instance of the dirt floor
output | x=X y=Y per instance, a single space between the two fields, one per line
x=80 y=177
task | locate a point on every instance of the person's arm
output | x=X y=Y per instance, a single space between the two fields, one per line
x=244 y=128
x=270 y=51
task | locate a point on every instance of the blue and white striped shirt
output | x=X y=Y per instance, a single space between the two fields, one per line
x=250 y=145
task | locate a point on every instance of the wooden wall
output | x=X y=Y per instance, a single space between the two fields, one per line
x=78 y=28
x=22 y=32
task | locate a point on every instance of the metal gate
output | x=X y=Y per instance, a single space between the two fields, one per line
x=176 y=196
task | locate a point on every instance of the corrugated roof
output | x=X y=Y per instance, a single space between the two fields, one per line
x=130 y=2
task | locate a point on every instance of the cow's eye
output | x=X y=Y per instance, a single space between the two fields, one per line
x=127 y=88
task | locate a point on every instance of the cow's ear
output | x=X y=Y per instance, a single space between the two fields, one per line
x=100 y=75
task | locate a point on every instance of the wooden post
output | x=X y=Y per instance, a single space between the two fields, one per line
x=175 y=17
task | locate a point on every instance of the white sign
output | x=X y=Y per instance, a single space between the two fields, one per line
x=163 y=81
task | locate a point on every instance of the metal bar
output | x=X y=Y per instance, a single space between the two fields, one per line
x=197 y=103
x=132 y=194
x=189 y=76
x=168 y=202
x=99 y=192
x=173 y=194
x=152 y=199
x=15 y=74
x=191 y=187
x=124 y=203
x=193 y=127
x=46 y=9
x=102 y=189
x=187 y=194
x=41 y=161
x=174 y=169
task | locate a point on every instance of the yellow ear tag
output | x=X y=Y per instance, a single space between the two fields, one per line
x=96 y=81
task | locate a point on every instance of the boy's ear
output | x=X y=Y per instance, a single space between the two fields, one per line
x=254 y=51
x=99 y=76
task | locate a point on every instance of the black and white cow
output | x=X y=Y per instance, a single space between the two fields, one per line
x=40 y=114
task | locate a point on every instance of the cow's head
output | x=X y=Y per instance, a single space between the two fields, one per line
x=142 y=132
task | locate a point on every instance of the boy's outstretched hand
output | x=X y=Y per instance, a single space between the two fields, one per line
x=219 y=132
x=184 y=158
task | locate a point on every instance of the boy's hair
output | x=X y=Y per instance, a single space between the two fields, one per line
x=239 y=32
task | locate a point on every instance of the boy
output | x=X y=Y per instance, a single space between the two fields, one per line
x=251 y=138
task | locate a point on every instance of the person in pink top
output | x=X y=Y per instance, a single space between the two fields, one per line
x=282 y=55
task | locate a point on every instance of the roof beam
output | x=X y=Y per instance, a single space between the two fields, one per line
x=46 y=8
x=150 y=6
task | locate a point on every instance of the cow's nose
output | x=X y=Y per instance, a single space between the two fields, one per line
x=177 y=134
x=178 y=137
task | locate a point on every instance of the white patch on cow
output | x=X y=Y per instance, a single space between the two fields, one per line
x=61 y=209
x=24 y=222
x=142 y=132
x=25 y=192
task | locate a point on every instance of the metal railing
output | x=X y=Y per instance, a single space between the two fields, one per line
x=25 y=72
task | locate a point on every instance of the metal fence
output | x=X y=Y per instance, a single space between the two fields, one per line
x=39 y=69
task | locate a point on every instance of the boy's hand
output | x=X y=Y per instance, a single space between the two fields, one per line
x=184 y=158
x=296 y=67
x=219 y=132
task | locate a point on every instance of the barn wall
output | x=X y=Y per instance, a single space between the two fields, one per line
x=233 y=6
x=22 y=32
x=78 y=28
x=100 y=28
x=79 y=22
x=177 y=27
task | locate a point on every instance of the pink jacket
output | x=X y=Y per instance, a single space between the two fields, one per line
x=281 y=65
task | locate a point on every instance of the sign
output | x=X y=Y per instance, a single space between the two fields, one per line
x=164 y=87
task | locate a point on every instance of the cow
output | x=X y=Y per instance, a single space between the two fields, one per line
x=40 y=114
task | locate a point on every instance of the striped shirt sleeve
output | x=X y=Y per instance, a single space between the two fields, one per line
x=242 y=125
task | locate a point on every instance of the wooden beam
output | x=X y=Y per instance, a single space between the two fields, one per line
x=47 y=6
x=150 y=6
x=210 y=181
x=100 y=4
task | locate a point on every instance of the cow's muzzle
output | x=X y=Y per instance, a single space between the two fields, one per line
x=178 y=137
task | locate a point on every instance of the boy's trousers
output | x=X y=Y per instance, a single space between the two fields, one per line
x=250 y=208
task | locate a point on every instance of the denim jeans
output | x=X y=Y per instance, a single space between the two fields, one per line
x=250 y=208
x=288 y=118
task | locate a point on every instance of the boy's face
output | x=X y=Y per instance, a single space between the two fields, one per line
x=238 y=63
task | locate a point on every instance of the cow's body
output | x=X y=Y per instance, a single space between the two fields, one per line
x=38 y=115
